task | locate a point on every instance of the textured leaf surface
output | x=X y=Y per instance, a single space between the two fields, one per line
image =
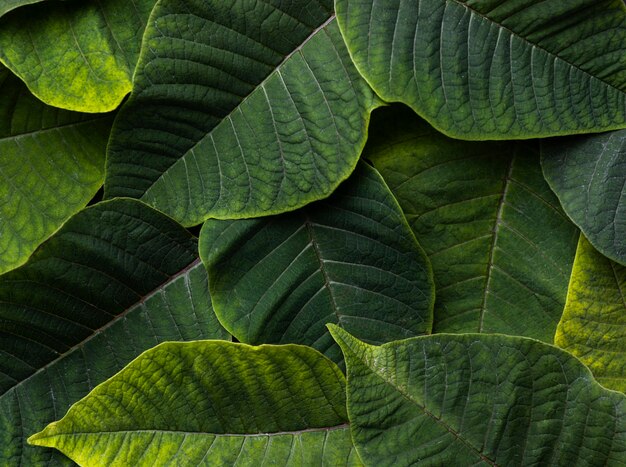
x=593 y=326
x=77 y=55
x=117 y=279
x=51 y=165
x=212 y=403
x=479 y=400
x=8 y=5
x=492 y=69
x=588 y=174
x=239 y=109
x=351 y=260
x=500 y=246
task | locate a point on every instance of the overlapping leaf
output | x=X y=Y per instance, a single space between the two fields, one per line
x=212 y=403
x=51 y=165
x=484 y=69
x=500 y=246
x=239 y=109
x=593 y=326
x=77 y=55
x=351 y=260
x=8 y=5
x=117 y=279
x=588 y=174
x=479 y=400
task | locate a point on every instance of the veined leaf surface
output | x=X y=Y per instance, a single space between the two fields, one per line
x=51 y=165
x=500 y=246
x=489 y=69
x=351 y=260
x=588 y=174
x=593 y=326
x=474 y=399
x=239 y=109
x=212 y=403
x=117 y=279
x=78 y=55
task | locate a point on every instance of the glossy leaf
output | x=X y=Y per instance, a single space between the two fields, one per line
x=351 y=260
x=478 y=400
x=77 y=55
x=239 y=109
x=212 y=403
x=117 y=279
x=588 y=174
x=51 y=165
x=487 y=69
x=593 y=326
x=500 y=246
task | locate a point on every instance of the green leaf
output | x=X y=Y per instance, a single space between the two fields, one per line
x=500 y=246
x=8 y=5
x=488 y=69
x=51 y=165
x=588 y=174
x=593 y=326
x=350 y=260
x=117 y=279
x=212 y=403
x=77 y=55
x=478 y=400
x=252 y=108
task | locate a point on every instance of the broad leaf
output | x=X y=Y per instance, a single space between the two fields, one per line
x=350 y=260
x=51 y=165
x=486 y=69
x=117 y=279
x=77 y=55
x=212 y=403
x=500 y=246
x=239 y=109
x=588 y=174
x=479 y=400
x=8 y=5
x=593 y=326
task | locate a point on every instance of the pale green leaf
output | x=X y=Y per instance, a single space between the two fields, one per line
x=588 y=174
x=117 y=279
x=493 y=69
x=51 y=165
x=500 y=246
x=350 y=260
x=593 y=326
x=77 y=55
x=474 y=399
x=213 y=404
x=252 y=108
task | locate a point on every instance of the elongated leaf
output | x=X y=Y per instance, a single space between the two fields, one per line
x=593 y=326
x=479 y=400
x=77 y=55
x=116 y=280
x=51 y=165
x=8 y=5
x=350 y=260
x=252 y=108
x=212 y=403
x=485 y=69
x=588 y=174
x=500 y=246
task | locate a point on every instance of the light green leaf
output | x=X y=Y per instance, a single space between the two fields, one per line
x=500 y=246
x=493 y=69
x=588 y=174
x=8 y=5
x=350 y=260
x=117 y=279
x=77 y=55
x=593 y=326
x=252 y=108
x=51 y=165
x=474 y=399
x=212 y=403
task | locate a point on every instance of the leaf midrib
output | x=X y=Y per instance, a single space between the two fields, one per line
x=53 y=128
x=531 y=44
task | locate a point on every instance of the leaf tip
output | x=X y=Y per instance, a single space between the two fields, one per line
x=346 y=341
